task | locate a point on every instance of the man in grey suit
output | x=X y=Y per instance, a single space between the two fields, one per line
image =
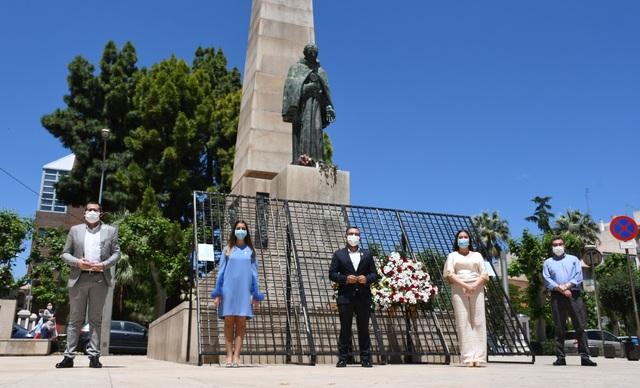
x=91 y=250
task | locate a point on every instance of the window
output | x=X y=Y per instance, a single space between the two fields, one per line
x=48 y=199
x=130 y=326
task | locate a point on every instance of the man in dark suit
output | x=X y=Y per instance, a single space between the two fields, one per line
x=354 y=270
x=91 y=250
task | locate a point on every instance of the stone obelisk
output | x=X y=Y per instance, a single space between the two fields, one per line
x=278 y=32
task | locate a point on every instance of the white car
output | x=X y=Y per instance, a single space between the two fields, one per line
x=594 y=339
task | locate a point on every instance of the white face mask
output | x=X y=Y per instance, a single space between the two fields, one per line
x=92 y=216
x=558 y=251
x=463 y=242
x=353 y=240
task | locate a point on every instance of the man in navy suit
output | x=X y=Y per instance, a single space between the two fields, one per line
x=91 y=250
x=354 y=270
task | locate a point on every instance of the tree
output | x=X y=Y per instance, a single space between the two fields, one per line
x=616 y=296
x=494 y=232
x=531 y=253
x=14 y=230
x=184 y=128
x=155 y=259
x=609 y=271
x=576 y=222
x=173 y=128
x=95 y=102
x=611 y=263
x=541 y=215
x=49 y=274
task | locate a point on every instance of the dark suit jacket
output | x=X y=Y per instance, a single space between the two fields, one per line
x=74 y=251
x=341 y=267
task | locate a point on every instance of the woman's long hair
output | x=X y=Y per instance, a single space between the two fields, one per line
x=233 y=240
x=455 y=242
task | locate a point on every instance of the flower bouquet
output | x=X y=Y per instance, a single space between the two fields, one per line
x=327 y=169
x=402 y=282
x=306 y=160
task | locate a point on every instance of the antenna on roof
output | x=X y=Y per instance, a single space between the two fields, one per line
x=586 y=193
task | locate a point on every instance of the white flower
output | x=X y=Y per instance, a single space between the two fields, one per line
x=402 y=281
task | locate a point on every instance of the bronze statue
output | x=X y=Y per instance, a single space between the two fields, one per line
x=307 y=104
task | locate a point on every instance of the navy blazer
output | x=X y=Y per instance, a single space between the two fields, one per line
x=341 y=267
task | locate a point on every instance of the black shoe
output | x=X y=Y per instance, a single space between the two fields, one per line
x=560 y=361
x=94 y=362
x=67 y=362
x=587 y=362
x=366 y=364
x=341 y=364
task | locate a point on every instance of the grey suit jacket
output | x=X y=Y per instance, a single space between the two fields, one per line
x=74 y=250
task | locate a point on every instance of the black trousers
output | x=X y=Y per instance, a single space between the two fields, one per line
x=362 y=309
x=563 y=307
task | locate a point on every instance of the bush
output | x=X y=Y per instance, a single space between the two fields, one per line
x=536 y=348
x=543 y=348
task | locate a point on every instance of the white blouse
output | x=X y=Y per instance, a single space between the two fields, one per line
x=467 y=268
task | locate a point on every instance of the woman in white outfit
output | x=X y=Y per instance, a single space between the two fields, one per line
x=466 y=272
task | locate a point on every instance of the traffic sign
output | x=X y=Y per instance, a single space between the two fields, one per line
x=592 y=257
x=623 y=228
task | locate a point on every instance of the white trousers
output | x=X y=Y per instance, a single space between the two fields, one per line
x=471 y=324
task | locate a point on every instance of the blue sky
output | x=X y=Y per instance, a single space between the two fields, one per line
x=442 y=106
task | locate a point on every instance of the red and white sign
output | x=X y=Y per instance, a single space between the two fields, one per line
x=623 y=228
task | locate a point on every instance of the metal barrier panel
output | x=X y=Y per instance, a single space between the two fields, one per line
x=298 y=320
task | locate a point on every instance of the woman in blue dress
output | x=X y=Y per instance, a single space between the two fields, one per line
x=237 y=290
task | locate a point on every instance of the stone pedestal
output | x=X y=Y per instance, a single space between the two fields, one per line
x=312 y=184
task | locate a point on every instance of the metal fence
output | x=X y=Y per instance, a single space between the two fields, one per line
x=298 y=320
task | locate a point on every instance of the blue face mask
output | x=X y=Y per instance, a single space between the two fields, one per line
x=241 y=233
x=463 y=242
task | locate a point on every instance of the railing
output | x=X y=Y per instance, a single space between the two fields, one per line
x=298 y=320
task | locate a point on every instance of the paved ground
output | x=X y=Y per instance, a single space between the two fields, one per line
x=140 y=371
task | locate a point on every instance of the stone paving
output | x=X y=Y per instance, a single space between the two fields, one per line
x=140 y=371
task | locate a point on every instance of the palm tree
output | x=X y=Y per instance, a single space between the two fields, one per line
x=541 y=215
x=581 y=224
x=494 y=232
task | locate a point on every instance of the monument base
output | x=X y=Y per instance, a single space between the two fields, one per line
x=311 y=184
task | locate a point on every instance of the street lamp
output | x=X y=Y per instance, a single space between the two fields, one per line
x=105 y=135
x=107 y=309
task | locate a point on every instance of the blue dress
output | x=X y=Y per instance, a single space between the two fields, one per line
x=237 y=283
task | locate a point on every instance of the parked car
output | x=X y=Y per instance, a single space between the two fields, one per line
x=625 y=338
x=20 y=332
x=594 y=339
x=125 y=337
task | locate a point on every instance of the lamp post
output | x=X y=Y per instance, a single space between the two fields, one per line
x=107 y=310
x=105 y=135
